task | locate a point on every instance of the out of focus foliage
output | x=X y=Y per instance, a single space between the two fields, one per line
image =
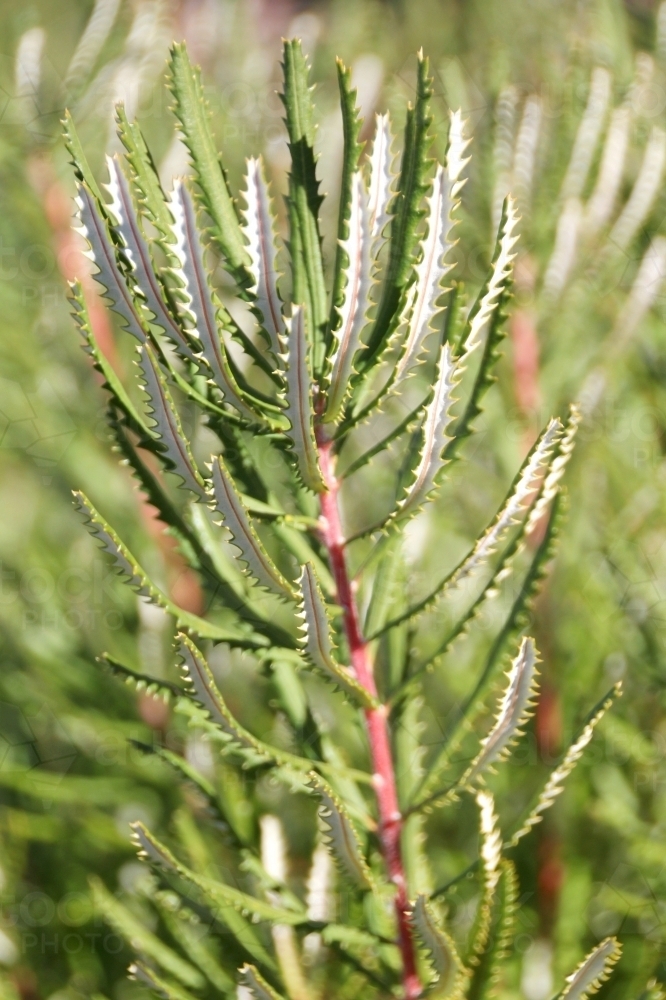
x=70 y=781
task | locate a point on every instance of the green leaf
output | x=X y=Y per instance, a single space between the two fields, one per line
x=259 y=232
x=257 y=986
x=304 y=196
x=491 y=857
x=193 y=116
x=165 y=987
x=79 y=160
x=128 y=566
x=486 y=975
x=318 y=644
x=340 y=836
x=352 y=149
x=236 y=519
x=145 y=179
x=382 y=177
x=140 y=938
x=188 y=936
x=407 y=214
x=220 y=894
x=442 y=952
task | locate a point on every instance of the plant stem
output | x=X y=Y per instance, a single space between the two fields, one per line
x=390 y=818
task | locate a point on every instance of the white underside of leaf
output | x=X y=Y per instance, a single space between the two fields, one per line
x=514 y=711
x=382 y=175
x=167 y=423
x=593 y=971
x=259 y=232
x=256 y=985
x=354 y=308
x=340 y=836
x=440 y=947
x=501 y=273
x=138 y=255
x=437 y=422
x=236 y=519
x=298 y=397
x=102 y=254
x=433 y=267
x=196 y=299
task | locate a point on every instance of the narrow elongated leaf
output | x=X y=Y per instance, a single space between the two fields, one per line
x=202 y=683
x=340 y=836
x=435 y=437
x=135 y=249
x=236 y=519
x=555 y=784
x=407 y=214
x=102 y=254
x=593 y=971
x=491 y=857
x=218 y=892
x=173 y=446
x=111 y=381
x=319 y=644
x=557 y=469
x=142 y=940
x=196 y=298
x=145 y=179
x=433 y=266
x=515 y=709
x=382 y=177
x=487 y=973
x=351 y=127
x=259 y=989
x=298 y=395
x=441 y=950
x=193 y=116
x=154 y=686
x=355 y=299
x=497 y=282
x=304 y=196
x=188 y=935
x=164 y=987
x=138 y=579
x=79 y=160
x=259 y=233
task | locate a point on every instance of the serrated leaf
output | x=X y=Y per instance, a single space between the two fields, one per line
x=259 y=989
x=356 y=281
x=129 y=567
x=435 y=437
x=259 y=233
x=555 y=784
x=111 y=381
x=433 y=266
x=340 y=836
x=486 y=975
x=497 y=281
x=491 y=857
x=102 y=254
x=79 y=160
x=137 y=254
x=593 y=971
x=515 y=709
x=193 y=116
x=181 y=766
x=298 y=396
x=141 y=682
x=407 y=214
x=304 y=196
x=145 y=178
x=382 y=177
x=351 y=127
x=172 y=445
x=442 y=952
x=188 y=936
x=318 y=643
x=235 y=517
x=196 y=298
x=218 y=892
x=200 y=677
x=165 y=987
x=140 y=939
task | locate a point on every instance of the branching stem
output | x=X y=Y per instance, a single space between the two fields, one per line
x=390 y=817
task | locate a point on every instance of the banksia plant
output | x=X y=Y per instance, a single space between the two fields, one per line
x=290 y=438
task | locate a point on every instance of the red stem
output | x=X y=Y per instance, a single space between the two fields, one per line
x=390 y=817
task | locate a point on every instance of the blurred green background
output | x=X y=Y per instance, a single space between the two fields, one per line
x=589 y=323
